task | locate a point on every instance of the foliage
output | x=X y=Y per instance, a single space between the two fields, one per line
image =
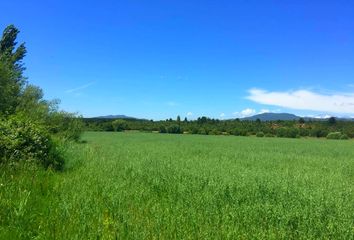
x=337 y=135
x=269 y=135
x=9 y=90
x=29 y=122
x=162 y=129
x=344 y=137
x=119 y=125
x=8 y=53
x=260 y=134
x=301 y=120
x=174 y=129
x=67 y=126
x=21 y=139
x=11 y=68
x=203 y=125
x=332 y=120
x=287 y=132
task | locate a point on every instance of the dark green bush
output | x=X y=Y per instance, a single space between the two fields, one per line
x=239 y=132
x=215 y=132
x=65 y=125
x=202 y=131
x=24 y=140
x=269 y=135
x=318 y=133
x=334 y=135
x=304 y=132
x=344 y=137
x=337 y=135
x=287 y=132
x=119 y=125
x=174 y=129
x=260 y=134
x=162 y=129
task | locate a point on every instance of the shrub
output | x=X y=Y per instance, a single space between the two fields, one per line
x=304 y=132
x=65 y=125
x=174 y=129
x=240 y=132
x=287 y=132
x=269 y=135
x=318 y=133
x=203 y=131
x=334 y=135
x=260 y=134
x=23 y=140
x=162 y=129
x=119 y=125
x=214 y=132
x=344 y=137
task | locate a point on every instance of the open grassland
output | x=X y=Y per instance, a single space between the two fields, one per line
x=156 y=186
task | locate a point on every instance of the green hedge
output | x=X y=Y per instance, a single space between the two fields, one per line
x=24 y=140
x=337 y=135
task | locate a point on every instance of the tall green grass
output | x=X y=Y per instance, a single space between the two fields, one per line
x=156 y=186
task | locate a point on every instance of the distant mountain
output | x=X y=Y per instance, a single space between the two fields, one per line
x=272 y=117
x=289 y=117
x=115 y=117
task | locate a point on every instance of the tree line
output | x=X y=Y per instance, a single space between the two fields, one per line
x=237 y=127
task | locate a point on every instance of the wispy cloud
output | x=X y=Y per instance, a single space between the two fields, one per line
x=322 y=116
x=189 y=114
x=222 y=115
x=80 y=87
x=247 y=112
x=264 y=111
x=305 y=100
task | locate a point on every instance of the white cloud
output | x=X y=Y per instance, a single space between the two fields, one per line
x=305 y=100
x=264 y=111
x=245 y=113
x=80 y=88
x=189 y=114
x=323 y=116
x=248 y=112
x=222 y=115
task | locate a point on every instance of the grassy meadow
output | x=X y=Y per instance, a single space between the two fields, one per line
x=161 y=186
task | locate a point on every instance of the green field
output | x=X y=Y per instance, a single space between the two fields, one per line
x=159 y=186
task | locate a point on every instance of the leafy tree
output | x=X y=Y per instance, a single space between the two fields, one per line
x=260 y=134
x=9 y=90
x=202 y=120
x=332 y=120
x=8 y=52
x=174 y=129
x=28 y=122
x=119 y=125
x=301 y=120
x=162 y=129
x=11 y=69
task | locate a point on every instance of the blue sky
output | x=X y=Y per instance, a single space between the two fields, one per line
x=160 y=59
